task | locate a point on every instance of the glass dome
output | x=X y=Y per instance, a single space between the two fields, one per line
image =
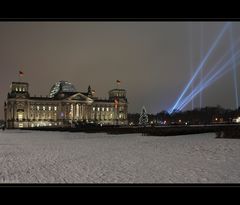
x=62 y=86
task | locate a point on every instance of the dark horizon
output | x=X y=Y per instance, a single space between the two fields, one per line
x=151 y=59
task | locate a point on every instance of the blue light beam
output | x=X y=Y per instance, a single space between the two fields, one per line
x=214 y=77
x=218 y=74
x=201 y=55
x=191 y=57
x=201 y=64
x=234 y=67
x=216 y=65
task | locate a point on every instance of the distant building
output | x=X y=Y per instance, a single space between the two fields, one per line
x=64 y=107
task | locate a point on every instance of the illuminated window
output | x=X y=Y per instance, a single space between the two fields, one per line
x=38 y=108
x=107 y=109
x=20 y=116
x=55 y=108
x=16 y=89
x=102 y=108
x=98 y=109
x=111 y=116
x=49 y=108
x=44 y=108
x=23 y=89
x=93 y=108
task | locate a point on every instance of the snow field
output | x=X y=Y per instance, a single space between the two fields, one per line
x=63 y=157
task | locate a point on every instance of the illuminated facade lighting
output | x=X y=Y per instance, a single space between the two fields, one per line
x=64 y=108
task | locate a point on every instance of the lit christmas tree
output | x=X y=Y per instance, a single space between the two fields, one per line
x=143 y=120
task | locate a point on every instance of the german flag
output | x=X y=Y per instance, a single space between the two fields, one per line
x=115 y=103
x=21 y=73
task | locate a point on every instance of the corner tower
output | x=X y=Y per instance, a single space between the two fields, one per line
x=118 y=96
x=19 y=90
x=16 y=106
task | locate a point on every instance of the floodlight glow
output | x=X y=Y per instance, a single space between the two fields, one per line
x=201 y=64
x=234 y=67
x=192 y=95
x=202 y=88
x=218 y=74
x=215 y=66
x=212 y=78
x=209 y=73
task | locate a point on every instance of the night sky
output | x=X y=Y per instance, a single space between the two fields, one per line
x=152 y=59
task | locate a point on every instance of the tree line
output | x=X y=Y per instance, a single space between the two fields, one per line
x=206 y=115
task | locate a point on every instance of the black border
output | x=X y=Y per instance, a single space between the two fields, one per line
x=159 y=13
x=120 y=11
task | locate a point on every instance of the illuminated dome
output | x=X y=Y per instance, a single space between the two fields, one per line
x=62 y=86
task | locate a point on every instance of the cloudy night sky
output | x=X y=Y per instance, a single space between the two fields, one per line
x=152 y=59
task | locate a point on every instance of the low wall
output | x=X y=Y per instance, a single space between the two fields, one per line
x=223 y=131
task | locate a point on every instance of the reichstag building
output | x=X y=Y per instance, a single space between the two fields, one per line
x=63 y=107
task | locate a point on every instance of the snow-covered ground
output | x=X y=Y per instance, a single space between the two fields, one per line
x=62 y=157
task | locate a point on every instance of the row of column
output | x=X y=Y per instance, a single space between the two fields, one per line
x=76 y=111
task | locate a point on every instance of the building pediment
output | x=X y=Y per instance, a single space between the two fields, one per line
x=80 y=97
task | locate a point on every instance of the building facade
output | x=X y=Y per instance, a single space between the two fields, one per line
x=63 y=107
